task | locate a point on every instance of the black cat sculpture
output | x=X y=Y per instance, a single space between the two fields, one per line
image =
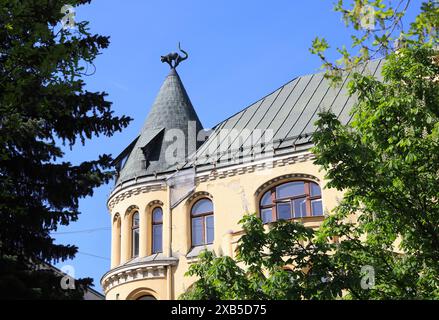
x=173 y=58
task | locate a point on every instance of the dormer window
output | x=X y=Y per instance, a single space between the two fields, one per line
x=123 y=161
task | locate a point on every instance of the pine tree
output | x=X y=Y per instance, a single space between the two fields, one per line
x=44 y=106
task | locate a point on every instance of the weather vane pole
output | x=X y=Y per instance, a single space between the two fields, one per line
x=173 y=58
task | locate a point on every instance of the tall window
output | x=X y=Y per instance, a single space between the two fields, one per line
x=116 y=239
x=157 y=230
x=202 y=222
x=291 y=200
x=135 y=234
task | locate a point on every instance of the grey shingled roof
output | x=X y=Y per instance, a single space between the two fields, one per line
x=172 y=109
x=289 y=112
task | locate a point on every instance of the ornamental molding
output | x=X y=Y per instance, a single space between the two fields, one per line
x=199 y=194
x=255 y=167
x=215 y=174
x=133 y=192
x=155 y=203
x=290 y=176
x=131 y=209
x=135 y=272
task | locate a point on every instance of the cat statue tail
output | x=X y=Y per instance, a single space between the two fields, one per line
x=186 y=54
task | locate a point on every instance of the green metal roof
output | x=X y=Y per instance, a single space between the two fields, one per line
x=288 y=113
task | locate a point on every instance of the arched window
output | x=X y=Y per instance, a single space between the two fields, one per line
x=202 y=222
x=291 y=200
x=135 y=234
x=157 y=230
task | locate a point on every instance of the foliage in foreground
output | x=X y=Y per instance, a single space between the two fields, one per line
x=43 y=106
x=386 y=161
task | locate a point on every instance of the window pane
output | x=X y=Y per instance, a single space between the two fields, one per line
x=157 y=215
x=299 y=207
x=317 y=209
x=123 y=162
x=202 y=206
x=303 y=208
x=135 y=219
x=266 y=199
x=209 y=229
x=290 y=189
x=266 y=215
x=284 y=211
x=157 y=238
x=135 y=242
x=197 y=231
x=315 y=189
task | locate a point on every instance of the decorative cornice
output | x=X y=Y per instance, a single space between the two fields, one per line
x=214 y=174
x=135 y=272
x=255 y=167
x=132 y=192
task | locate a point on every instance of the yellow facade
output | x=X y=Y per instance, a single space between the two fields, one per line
x=237 y=163
x=234 y=190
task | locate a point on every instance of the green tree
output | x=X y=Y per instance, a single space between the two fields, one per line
x=281 y=263
x=44 y=106
x=386 y=160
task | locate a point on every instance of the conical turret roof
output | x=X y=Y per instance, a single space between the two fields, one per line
x=168 y=134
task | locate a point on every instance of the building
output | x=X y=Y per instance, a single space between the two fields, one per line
x=181 y=189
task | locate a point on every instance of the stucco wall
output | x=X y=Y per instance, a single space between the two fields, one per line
x=233 y=195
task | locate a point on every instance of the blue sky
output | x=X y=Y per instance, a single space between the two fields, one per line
x=239 y=51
